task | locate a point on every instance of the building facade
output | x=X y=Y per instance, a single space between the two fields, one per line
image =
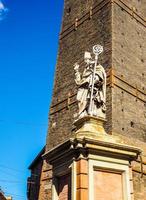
x=3 y=197
x=33 y=182
x=120 y=27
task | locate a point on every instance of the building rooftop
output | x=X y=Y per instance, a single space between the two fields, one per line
x=38 y=157
x=3 y=197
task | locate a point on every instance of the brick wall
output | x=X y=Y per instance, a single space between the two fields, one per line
x=129 y=45
x=33 y=182
x=64 y=187
x=2 y=197
x=139 y=186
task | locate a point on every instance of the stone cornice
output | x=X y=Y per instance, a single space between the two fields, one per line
x=82 y=147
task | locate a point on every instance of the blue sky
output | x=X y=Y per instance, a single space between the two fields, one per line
x=28 y=48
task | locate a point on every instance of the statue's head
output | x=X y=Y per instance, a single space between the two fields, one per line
x=87 y=57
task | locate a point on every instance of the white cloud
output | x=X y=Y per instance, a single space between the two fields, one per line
x=1 y=6
x=3 y=11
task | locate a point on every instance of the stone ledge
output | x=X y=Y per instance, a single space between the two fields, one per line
x=75 y=148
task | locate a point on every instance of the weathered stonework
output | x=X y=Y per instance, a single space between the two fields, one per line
x=118 y=25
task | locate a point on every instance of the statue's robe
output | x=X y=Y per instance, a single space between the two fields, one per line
x=84 y=83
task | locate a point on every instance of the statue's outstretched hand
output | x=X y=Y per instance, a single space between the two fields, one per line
x=76 y=66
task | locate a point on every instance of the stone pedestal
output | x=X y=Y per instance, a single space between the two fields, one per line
x=87 y=169
x=93 y=128
x=92 y=165
x=90 y=127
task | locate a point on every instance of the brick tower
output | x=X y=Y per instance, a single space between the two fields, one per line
x=120 y=27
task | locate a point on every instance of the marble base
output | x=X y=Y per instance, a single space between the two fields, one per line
x=93 y=127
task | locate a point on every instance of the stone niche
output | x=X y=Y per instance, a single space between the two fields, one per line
x=92 y=169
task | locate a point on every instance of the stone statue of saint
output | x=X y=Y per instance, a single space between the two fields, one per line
x=91 y=95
